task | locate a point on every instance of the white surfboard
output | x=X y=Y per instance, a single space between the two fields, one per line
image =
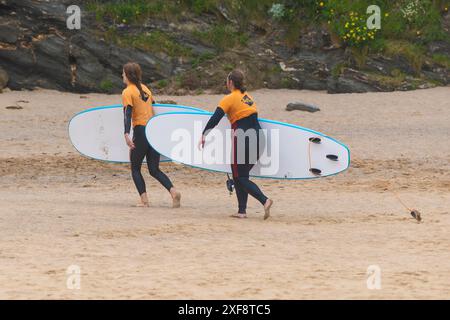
x=291 y=151
x=97 y=133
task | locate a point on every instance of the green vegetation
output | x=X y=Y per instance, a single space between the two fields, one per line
x=415 y=54
x=338 y=69
x=412 y=20
x=222 y=37
x=396 y=79
x=161 y=84
x=407 y=26
x=131 y=11
x=106 y=85
x=202 y=58
x=155 y=41
x=442 y=60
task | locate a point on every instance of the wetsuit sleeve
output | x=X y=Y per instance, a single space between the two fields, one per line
x=127 y=118
x=214 y=120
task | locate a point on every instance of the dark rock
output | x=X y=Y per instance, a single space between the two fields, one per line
x=4 y=78
x=386 y=66
x=302 y=107
x=9 y=33
x=348 y=85
x=441 y=47
x=167 y=102
x=51 y=56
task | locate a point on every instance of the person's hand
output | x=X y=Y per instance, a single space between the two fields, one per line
x=201 y=142
x=129 y=142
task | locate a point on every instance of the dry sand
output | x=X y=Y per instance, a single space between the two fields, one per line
x=59 y=209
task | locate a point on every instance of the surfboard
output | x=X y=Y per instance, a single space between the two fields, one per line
x=289 y=152
x=97 y=133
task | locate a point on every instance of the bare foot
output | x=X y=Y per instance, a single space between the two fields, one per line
x=267 y=207
x=144 y=201
x=142 y=205
x=176 y=197
x=239 y=215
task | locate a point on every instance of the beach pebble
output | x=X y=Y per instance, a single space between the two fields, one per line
x=302 y=107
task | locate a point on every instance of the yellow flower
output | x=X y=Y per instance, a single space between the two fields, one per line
x=386 y=14
x=321 y=4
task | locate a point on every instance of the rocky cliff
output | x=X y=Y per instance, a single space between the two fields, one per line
x=192 y=51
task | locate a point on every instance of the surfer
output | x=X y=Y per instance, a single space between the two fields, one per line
x=137 y=103
x=242 y=113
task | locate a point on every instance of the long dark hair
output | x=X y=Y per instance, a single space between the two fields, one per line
x=237 y=76
x=133 y=72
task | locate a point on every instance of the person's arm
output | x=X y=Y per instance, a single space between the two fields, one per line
x=127 y=112
x=213 y=121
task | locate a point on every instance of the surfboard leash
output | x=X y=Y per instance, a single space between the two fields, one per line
x=414 y=212
x=230 y=184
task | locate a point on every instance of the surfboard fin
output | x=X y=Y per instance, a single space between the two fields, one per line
x=315 y=171
x=332 y=157
x=315 y=140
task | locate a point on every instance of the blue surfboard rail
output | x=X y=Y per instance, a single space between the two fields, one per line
x=192 y=109
x=267 y=121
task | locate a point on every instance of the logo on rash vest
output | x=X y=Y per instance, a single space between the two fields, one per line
x=144 y=97
x=246 y=99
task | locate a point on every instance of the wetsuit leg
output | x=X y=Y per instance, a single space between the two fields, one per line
x=137 y=156
x=241 y=170
x=153 y=158
x=241 y=195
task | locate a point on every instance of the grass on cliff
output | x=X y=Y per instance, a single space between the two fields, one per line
x=155 y=41
x=417 y=21
x=407 y=26
x=222 y=37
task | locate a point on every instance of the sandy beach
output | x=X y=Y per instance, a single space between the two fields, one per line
x=60 y=209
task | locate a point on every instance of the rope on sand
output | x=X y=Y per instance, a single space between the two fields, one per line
x=414 y=212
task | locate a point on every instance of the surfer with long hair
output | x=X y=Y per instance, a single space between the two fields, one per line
x=243 y=115
x=137 y=103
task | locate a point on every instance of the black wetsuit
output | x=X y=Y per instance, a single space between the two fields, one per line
x=143 y=150
x=242 y=164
